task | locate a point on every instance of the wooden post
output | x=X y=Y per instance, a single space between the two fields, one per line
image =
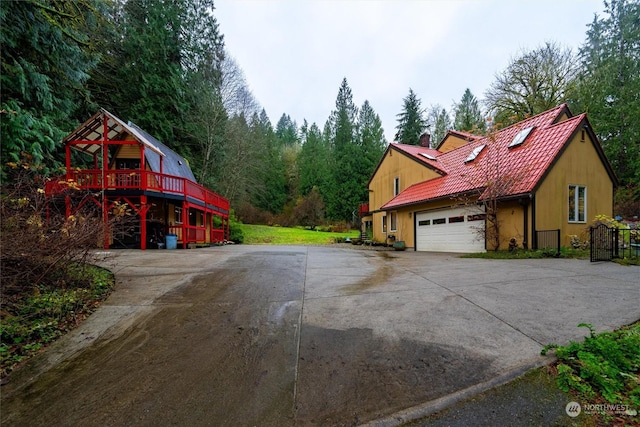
x=143 y=222
x=67 y=154
x=105 y=166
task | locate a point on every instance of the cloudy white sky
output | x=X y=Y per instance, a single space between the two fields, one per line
x=294 y=54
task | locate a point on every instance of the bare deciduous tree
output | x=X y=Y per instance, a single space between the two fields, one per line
x=490 y=184
x=532 y=83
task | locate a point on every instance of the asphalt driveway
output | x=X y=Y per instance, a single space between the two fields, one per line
x=292 y=335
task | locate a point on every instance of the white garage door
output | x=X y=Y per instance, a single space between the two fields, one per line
x=449 y=230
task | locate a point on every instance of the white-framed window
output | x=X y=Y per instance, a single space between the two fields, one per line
x=393 y=219
x=396 y=186
x=577 y=203
x=178 y=214
x=384 y=223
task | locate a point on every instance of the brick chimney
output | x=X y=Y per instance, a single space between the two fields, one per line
x=425 y=140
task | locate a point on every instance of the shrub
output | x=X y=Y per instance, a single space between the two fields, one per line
x=236 y=234
x=46 y=280
x=607 y=364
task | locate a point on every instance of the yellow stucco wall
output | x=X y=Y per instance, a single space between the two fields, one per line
x=396 y=165
x=579 y=164
x=381 y=189
x=511 y=223
x=451 y=142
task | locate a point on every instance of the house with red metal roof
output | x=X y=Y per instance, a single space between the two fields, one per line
x=543 y=178
x=120 y=166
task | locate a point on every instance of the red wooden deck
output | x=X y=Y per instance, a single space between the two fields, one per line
x=155 y=184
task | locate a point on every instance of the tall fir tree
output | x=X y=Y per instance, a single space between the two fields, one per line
x=468 y=115
x=154 y=92
x=287 y=131
x=411 y=121
x=269 y=191
x=371 y=145
x=609 y=85
x=313 y=162
x=241 y=164
x=202 y=55
x=439 y=123
x=344 y=197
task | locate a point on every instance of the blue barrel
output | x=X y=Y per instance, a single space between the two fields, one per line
x=172 y=241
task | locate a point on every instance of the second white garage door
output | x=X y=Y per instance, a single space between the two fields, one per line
x=449 y=230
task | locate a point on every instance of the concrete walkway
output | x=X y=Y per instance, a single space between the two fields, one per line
x=269 y=335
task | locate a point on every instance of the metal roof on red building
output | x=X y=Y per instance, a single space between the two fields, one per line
x=509 y=171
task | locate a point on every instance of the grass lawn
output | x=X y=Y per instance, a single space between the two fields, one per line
x=266 y=235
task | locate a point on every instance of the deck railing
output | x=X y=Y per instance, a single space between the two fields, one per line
x=96 y=179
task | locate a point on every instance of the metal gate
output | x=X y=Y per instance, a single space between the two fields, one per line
x=604 y=243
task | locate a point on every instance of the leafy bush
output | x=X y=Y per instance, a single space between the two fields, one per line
x=37 y=318
x=236 y=234
x=605 y=364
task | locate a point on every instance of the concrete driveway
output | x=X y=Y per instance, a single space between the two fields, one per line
x=292 y=335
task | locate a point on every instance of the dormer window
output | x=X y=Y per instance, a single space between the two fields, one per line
x=520 y=137
x=476 y=151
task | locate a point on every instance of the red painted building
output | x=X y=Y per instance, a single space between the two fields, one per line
x=131 y=169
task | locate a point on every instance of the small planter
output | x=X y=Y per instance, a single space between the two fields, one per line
x=399 y=245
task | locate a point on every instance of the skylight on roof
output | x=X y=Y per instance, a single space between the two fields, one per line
x=520 y=137
x=475 y=153
x=428 y=156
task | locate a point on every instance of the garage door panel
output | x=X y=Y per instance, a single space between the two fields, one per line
x=450 y=236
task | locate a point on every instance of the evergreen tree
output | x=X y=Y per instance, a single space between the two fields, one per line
x=240 y=167
x=371 y=146
x=287 y=131
x=313 y=162
x=154 y=92
x=166 y=60
x=345 y=190
x=289 y=157
x=439 y=123
x=468 y=116
x=202 y=55
x=268 y=191
x=411 y=123
x=45 y=59
x=609 y=85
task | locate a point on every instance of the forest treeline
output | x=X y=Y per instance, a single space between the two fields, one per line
x=163 y=65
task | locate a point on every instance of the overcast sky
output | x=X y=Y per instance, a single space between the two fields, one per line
x=294 y=54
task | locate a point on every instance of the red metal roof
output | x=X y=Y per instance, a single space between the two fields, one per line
x=516 y=170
